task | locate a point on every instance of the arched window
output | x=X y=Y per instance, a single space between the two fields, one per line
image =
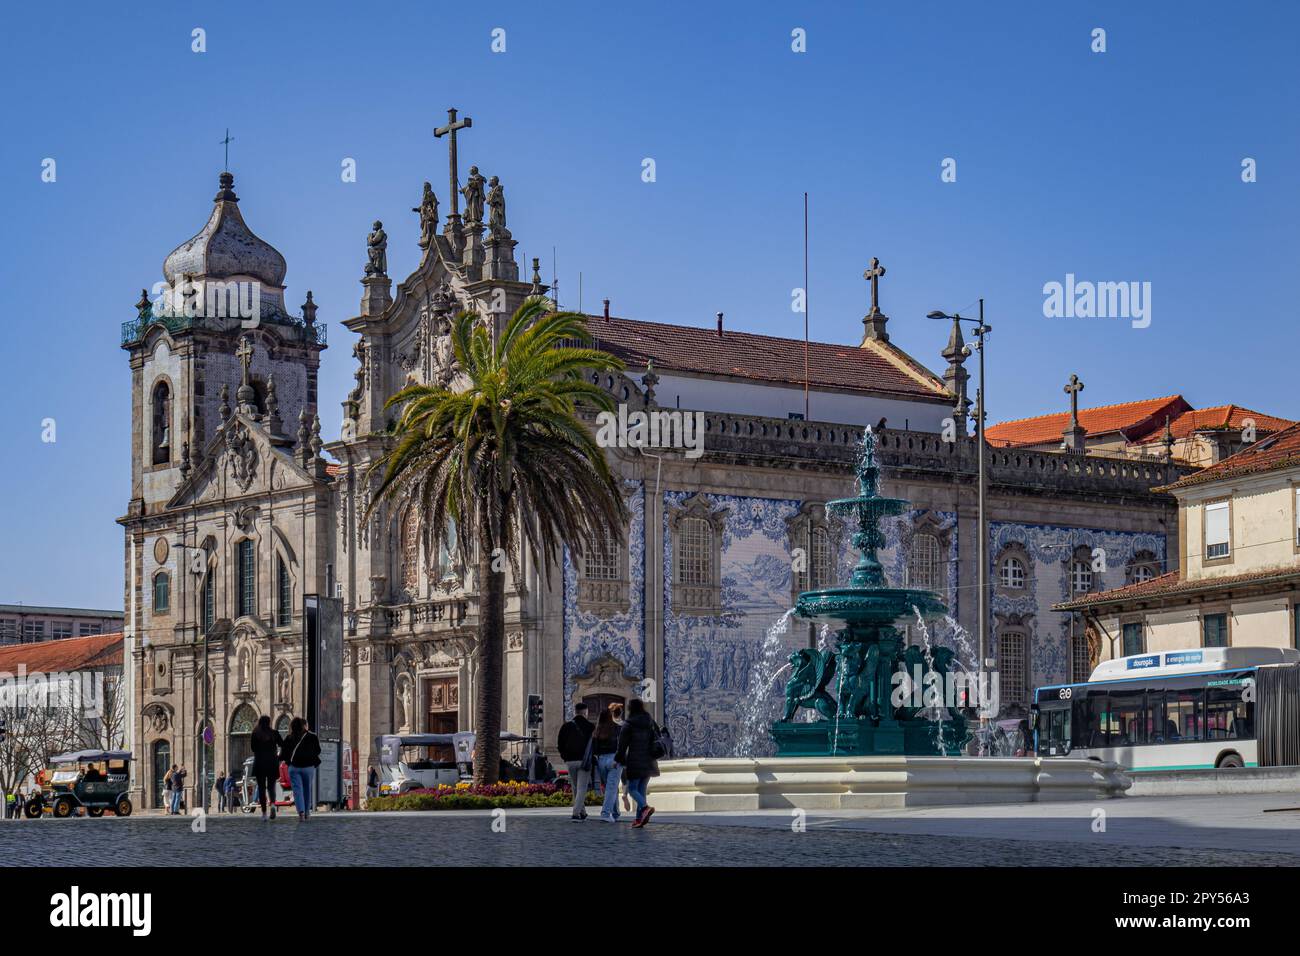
x=695 y=561
x=924 y=567
x=1143 y=573
x=1013 y=668
x=161 y=592
x=1142 y=568
x=209 y=601
x=162 y=424
x=282 y=725
x=242 y=722
x=246 y=568
x=1011 y=574
x=410 y=545
x=283 y=594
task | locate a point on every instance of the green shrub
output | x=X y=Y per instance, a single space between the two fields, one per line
x=461 y=800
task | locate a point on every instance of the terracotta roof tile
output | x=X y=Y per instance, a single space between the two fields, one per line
x=1232 y=417
x=766 y=358
x=1172 y=583
x=1281 y=450
x=68 y=654
x=1125 y=417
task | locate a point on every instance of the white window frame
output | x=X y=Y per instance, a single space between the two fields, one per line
x=1224 y=506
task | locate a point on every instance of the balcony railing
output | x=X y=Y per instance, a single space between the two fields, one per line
x=135 y=330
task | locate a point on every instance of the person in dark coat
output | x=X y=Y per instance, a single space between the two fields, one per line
x=266 y=761
x=637 y=754
x=575 y=750
x=301 y=751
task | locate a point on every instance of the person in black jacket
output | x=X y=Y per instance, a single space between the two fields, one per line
x=301 y=751
x=638 y=754
x=574 y=738
x=266 y=762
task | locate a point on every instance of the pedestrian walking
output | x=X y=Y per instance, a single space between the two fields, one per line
x=178 y=788
x=372 y=783
x=266 y=742
x=616 y=709
x=10 y=797
x=574 y=743
x=604 y=745
x=639 y=750
x=301 y=751
x=20 y=804
x=232 y=800
x=221 y=791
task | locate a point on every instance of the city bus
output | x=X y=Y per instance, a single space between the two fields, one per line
x=1197 y=709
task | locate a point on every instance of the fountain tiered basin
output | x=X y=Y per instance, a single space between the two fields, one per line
x=875 y=740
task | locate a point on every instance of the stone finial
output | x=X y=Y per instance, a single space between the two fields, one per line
x=224 y=409
x=649 y=380
x=956 y=376
x=309 y=310
x=304 y=438
x=273 y=423
x=874 y=321
x=144 y=308
x=537 y=279
x=185 y=460
x=316 y=443
x=1167 y=439
x=1075 y=433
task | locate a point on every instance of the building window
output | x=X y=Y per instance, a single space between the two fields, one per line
x=86 y=630
x=1012 y=574
x=410 y=545
x=1297 y=516
x=9 y=631
x=209 y=601
x=61 y=630
x=33 y=631
x=1132 y=639
x=1214 y=630
x=162 y=414
x=1080 y=659
x=283 y=594
x=246 y=567
x=924 y=568
x=601 y=560
x=1217 y=537
x=820 y=560
x=1012 y=668
x=694 y=558
x=162 y=595
x=1080 y=576
x=1143 y=573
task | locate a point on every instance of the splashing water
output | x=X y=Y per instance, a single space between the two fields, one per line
x=757 y=707
x=935 y=714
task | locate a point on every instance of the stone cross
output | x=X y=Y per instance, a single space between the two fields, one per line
x=453 y=124
x=245 y=355
x=1073 y=389
x=226 y=142
x=873 y=275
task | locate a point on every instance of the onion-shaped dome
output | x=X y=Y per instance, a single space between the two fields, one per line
x=225 y=248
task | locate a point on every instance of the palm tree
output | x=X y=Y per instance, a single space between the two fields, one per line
x=503 y=456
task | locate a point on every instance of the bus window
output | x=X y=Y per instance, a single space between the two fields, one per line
x=1184 y=715
x=1054 y=737
x=1127 y=718
x=1227 y=716
x=1087 y=725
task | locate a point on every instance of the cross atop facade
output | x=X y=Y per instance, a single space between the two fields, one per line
x=873 y=275
x=245 y=355
x=453 y=124
x=226 y=142
x=1073 y=389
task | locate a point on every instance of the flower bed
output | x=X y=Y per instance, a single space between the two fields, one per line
x=465 y=796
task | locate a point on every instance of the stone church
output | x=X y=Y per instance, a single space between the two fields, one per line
x=239 y=509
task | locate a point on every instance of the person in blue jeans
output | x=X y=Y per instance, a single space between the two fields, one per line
x=301 y=751
x=638 y=752
x=604 y=743
x=178 y=787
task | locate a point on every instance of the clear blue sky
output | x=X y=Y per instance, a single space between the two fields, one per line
x=1116 y=166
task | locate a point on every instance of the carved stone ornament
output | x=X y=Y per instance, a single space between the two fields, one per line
x=242 y=455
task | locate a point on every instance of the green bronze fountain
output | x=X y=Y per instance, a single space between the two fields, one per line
x=852 y=689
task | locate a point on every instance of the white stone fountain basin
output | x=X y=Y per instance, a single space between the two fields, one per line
x=877 y=783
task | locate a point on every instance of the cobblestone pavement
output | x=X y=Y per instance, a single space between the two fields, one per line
x=549 y=838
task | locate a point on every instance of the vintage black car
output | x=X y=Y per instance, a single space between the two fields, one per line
x=96 y=780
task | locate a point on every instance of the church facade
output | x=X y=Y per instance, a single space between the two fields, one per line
x=239 y=509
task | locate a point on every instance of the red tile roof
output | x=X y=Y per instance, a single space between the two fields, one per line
x=1173 y=584
x=68 y=654
x=1231 y=417
x=1126 y=418
x=872 y=367
x=1278 y=451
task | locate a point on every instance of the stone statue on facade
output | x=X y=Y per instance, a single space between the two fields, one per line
x=377 y=251
x=473 y=193
x=496 y=201
x=428 y=210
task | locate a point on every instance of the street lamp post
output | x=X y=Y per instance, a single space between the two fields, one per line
x=981 y=396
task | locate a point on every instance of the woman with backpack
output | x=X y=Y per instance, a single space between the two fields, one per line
x=266 y=761
x=638 y=751
x=301 y=751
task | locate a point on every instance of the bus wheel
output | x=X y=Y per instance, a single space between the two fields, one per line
x=1230 y=762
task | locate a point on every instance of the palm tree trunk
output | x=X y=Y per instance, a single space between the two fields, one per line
x=491 y=662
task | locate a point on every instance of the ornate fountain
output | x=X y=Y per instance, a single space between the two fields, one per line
x=852 y=688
